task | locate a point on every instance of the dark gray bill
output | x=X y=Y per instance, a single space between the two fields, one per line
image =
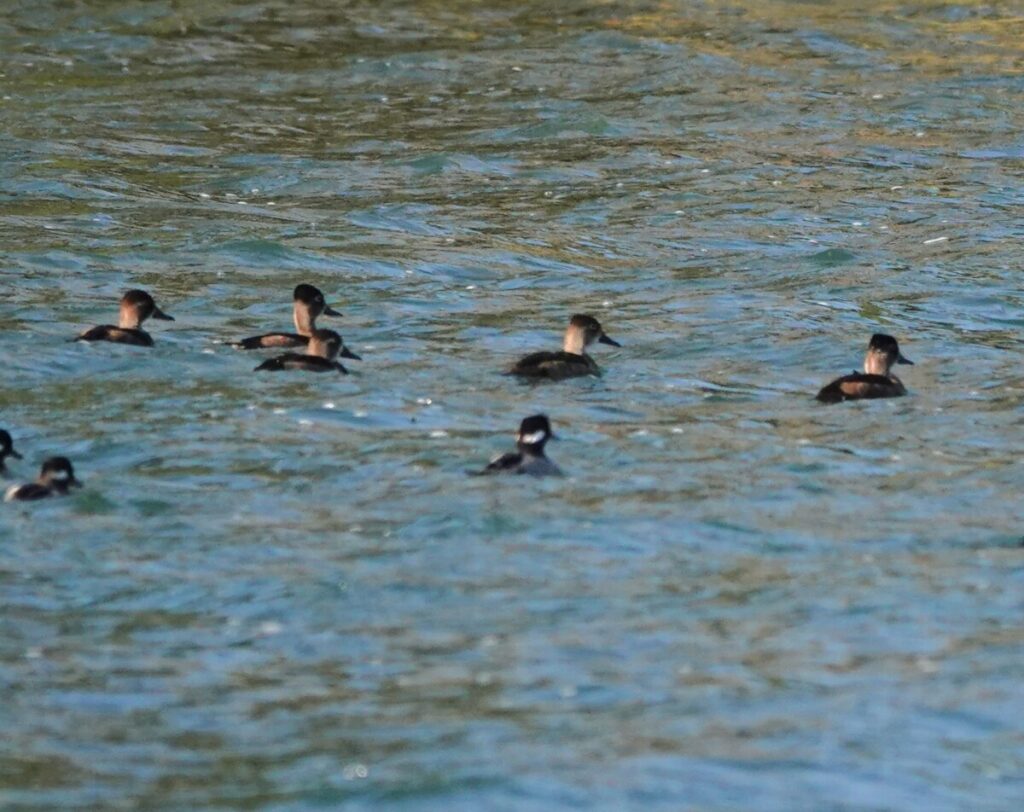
x=15 y=454
x=605 y=340
x=347 y=353
x=159 y=314
x=901 y=360
x=330 y=311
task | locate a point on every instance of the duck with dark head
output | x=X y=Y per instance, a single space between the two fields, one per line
x=323 y=348
x=6 y=450
x=877 y=379
x=572 y=361
x=308 y=304
x=136 y=307
x=529 y=457
x=56 y=478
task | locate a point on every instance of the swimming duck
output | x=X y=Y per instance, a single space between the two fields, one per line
x=56 y=477
x=573 y=360
x=529 y=457
x=876 y=381
x=6 y=450
x=323 y=347
x=308 y=305
x=136 y=307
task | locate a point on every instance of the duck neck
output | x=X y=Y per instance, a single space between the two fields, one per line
x=876 y=363
x=128 y=318
x=531 y=449
x=305 y=321
x=574 y=342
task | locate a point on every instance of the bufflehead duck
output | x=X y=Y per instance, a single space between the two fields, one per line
x=529 y=457
x=308 y=305
x=136 y=307
x=876 y=381
x=55 y=478
x=573 y=360
x=6 y=450
x=323 y=347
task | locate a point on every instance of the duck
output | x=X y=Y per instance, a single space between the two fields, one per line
x=56 y=478
x=321 y=350
x=6 y=450
x=876 y=381
x=136 y=307
x=529 y=457
x=572 y=361
x=308 y=305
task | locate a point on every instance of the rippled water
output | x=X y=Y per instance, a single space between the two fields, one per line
x=283 y=593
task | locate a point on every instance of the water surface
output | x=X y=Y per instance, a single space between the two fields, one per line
x=283 y=593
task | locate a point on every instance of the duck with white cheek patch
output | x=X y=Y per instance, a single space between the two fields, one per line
x=876 y=381
x=529 y=457
x=56 y=478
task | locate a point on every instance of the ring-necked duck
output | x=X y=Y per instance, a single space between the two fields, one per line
x=308 y=305
x=323 y=347
x=876 y=381
x=136 y=307
x=573 y=360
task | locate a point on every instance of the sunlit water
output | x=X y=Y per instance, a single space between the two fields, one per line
x=283 y=593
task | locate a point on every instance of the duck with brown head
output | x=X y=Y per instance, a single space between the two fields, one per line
x=572 y=361
x=56 y=478
x=308 y=304
x=876 y=381
x=136 y=307
x=323 y=347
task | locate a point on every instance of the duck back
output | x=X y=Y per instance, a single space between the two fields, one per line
x=308 y=363
x=555 y=366
x=27 y=493
x=861 y=386
x=117 y=335
x=272 y=340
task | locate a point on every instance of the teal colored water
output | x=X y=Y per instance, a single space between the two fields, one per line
x=283 y=593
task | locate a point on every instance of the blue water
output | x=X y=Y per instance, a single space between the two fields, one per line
x=283 y=593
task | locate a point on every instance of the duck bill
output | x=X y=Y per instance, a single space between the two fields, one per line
x=159 y=314
x=330 y=311
x=74 y=483
x=347 y=353
x=900 y=359
x=605 y=340
x=15 y=454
